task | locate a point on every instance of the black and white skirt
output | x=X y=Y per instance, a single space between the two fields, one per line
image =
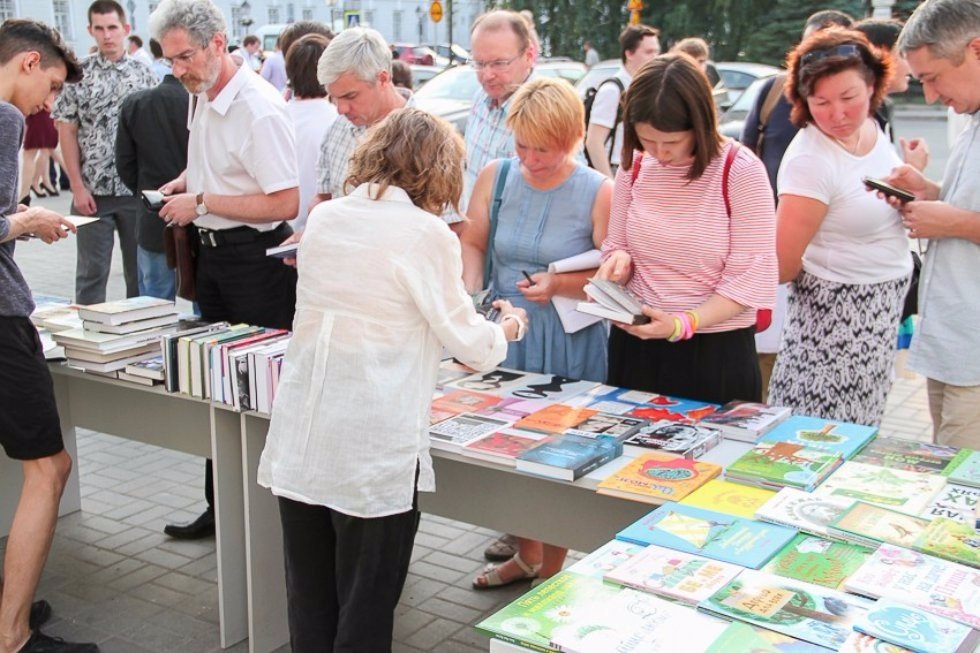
x=838 y=349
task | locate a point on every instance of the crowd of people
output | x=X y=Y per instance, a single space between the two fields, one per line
x=400 y=221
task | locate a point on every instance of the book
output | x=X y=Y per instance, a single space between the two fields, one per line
x=909 y=492
x=673 y=574
x=458 y=431
x=861 y=643
x=568 y=457
x=815 y=614
x=965 y=468
x=939 y=586
x=956 y=502
x=283 y=251
x=512 y=408
x=449 y=371
x=131 y=327
x=727 y=497
x=740 y=637
x=803 y=511
x=607 y=425
x=504 y=446
x=463 y=401
x=612 y=301
x=746 y=421
x=910 y=455
x=818 y=560
x=170 y=350
x=656 y=477
x=56 y=316
x=109 y=342
x=708 y=533
x=495 y=382
x=606 y=558
x=151 y=368
x=109 y=366
x=687 y=440
x=84 y=355
x=646 y=405
x=573 y=321
x=838 y=437
x=675 y=409
x=783 y=464
x=132 y=378
x=916 y=630
x=127 y=310
x=870 y=525
x=950 y=540
x=555 y=418
x=550 y=387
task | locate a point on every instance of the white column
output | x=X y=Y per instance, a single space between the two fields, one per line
x=881 y=8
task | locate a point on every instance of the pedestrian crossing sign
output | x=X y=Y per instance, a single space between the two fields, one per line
x=352 y=18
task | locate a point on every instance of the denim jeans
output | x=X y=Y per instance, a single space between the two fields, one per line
x=155 y=278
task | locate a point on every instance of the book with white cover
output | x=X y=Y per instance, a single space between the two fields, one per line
x=98 y=357
x=956 y=502
x=904 y=491
x=456 y=432
x=111 y=366
x=130 y=327
x=132 y=378
x=109 y=342
x=612 y=301
x=675 y=575
x=573 y=320
x=127 y=310
x=803 y=511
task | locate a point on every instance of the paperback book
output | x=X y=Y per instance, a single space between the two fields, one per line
x=612 y=301
x=861 y=643
x=126 y=310
x=662 y=407
x=910 y=455
x=783 y=464
x=803 y=511
x=555 y=418
x=463 y=401
x=818 y=560
x=746 y=421
x=965 y=468
x=956 y=502
x=151 y=368
x=741 y=637
x=496 y=382
x=814 y=433
x=606 y=558
x=503 y=446
x=708 y=533
x=550 y=387
x=657 y=477
x=687 y=440
x=568 y=457
x=674 y=575
x=731 y=498
x=456 y=432
x=870 y=525
x=916 y=630
x=908 y=492
x=950 y=540
x=607 y=425
x=648 y=405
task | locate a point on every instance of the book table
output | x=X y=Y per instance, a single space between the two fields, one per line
x=251 y=583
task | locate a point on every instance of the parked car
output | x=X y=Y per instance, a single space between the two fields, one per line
x=568 y=69
x=606 y=69
x=421 y=74
x=738 y=75
x=733 y=120
x=420 y=54
x=455 y=52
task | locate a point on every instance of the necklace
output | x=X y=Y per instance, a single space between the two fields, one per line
x=857 y=146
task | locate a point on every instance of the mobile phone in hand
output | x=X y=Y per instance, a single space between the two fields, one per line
x=889 y=190
x=153 y=199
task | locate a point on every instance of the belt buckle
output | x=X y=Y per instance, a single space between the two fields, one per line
x=208 y=237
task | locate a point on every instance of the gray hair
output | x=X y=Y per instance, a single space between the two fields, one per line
x=944 y=26
x=200 y=18
x=361 y=51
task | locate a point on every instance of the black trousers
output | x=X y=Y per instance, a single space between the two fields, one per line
x=239 y=283
x=715 y=367
x=344 y=576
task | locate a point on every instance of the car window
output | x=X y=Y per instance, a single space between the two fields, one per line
x=595 y=76
x=458 y=83
x=734 y=79
x=571 y=75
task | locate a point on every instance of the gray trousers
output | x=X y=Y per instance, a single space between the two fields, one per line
x=94 y=246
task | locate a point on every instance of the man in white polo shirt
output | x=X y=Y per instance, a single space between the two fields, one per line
x=240 y=185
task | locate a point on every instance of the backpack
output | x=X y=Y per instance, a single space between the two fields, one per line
x=772 y=98
x=590 y=100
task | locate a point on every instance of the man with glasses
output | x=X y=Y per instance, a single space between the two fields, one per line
x=87 y=114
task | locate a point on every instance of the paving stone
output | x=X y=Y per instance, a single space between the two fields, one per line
x=142 y=575
x=409 y=620
x=157 y=595
x=456 y=563
x=182 y=583
x=430 y=541
x=430 y=635
x=419 y=590
x=441 y=530
x=482 y=600
x=450 y=610
x=104 y=524
x=155 y=638
x=435 y=572
x=163 y=558
x=119 y=645
x=123 y=538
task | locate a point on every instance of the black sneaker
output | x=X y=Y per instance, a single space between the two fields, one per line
x=40 y=613
x=41 y=643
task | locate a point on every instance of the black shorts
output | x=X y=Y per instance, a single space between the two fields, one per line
x=29 y=424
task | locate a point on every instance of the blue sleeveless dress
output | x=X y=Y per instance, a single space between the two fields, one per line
x=536 y=228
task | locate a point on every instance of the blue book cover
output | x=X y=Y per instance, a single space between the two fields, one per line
x=710 y=534
x=569 y=457
x=648 y=405
x=838 y=437
x=916 y=630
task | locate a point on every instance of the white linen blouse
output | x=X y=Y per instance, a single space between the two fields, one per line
x=380 y=293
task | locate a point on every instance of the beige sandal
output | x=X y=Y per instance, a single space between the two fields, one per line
x=491 y=574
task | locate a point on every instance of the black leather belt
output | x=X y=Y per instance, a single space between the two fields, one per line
x=238 y=235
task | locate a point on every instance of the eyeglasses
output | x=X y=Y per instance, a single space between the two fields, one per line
x=846 y=50
x=186 y=57
x=499 y=64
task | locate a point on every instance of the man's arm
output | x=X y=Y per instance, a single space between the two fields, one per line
x=257 y=208
x=595 y=145
x=127 y=165
x=71 y=152
x=43 y=223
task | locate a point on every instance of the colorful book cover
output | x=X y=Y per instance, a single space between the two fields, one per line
x=708 y=533
x=511 y=408
x=809 y=612
x=818 y=560
x=672 y=574
x=965 y=468
x=908 y=492
x=869 y=524
x=555 y=418
x=910 y=627
x=843 y=438
x=568 y=457
x=950 y=540
x=607 y=425
x=656 y=477
x=945 y=588
x=605 y=559
x=783 y=464
x=861 y=643
x=745 y=420
x=739 y=637
x=688 y=440
x=459 y=430
x=503 y=446
x=807 y=512
x=731 y=498
x=956 y=502
x=910 y=455
x=675 y=409
x=551 y=387
x=464 y=401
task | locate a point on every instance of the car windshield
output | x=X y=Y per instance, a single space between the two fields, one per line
x=458 y=83
x=595 y=76
x=745 y=101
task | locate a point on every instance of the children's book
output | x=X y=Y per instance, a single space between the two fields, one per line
x=657 y=477
x=688 y=440
x=783 y=464
x=861 y=643
x=965 y=468
x=605 y=559
x=711 y=534
x=568 y=457
x=672 y=574
x=870 y=525
x=802 y=610
x=732 y=498
x=908 y=492
x=842 y=438
x=950 y=540
x=741 y=637
x=463 y=401
x=910 y=455
x=456 y=432
x=945 y=588
x=916 y=630
x=607 y=425
x=555 y=418
x=746 y=421
x=956 y=502
x=504 y=446
x=818 y=560
x=804 y=511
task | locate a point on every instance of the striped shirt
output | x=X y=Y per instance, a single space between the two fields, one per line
x=684 y=246
x=487 y=138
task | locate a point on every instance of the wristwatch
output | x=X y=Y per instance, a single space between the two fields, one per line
x=201 y=208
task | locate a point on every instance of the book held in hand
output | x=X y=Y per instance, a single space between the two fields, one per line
x=568 y=457
x=283 y=251
x=612 y=301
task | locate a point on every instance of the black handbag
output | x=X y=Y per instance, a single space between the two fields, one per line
x=911 y=306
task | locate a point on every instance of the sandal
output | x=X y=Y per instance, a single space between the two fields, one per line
x=491 y=574
x=502 y=549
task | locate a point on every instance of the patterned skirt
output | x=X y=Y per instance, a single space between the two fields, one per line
x=838 y=349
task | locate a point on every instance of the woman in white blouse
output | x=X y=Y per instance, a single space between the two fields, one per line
x=380 y=294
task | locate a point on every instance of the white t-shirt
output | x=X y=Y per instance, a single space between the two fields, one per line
x=311 y=120
x=861 y=239
x=604 y=108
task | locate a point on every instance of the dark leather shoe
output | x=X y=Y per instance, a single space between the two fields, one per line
x=201 y=527
x=41 y=643
x=40 y=613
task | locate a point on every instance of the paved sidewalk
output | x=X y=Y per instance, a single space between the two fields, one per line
x=114 y=578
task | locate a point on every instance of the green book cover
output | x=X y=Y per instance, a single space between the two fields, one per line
x=965 y=468
x=951 y=540
x=818 y=560
x=910 y=455
x=784 y=463
x=743 y=637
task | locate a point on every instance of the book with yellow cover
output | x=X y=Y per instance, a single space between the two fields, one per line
x=656 y=477
x=730 y=498
x=555 y=418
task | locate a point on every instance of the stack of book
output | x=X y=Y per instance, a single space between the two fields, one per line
x=836 y=437
x=777 y=465
x=746 y=421
x=687 y=440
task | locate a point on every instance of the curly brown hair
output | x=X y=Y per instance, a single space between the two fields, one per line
x=415 y=151
x=823 y=60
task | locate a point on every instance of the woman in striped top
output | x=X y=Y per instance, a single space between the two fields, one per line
x=692 y=234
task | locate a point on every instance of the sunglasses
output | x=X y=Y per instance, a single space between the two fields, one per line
x=846 y=50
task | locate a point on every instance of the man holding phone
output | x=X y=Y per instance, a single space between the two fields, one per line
x=941 y=42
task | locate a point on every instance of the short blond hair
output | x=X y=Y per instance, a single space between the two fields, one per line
x=547 y=112
x=415 y=151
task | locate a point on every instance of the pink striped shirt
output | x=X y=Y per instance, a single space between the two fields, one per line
x=684 y=246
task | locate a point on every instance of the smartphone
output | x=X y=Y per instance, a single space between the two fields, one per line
x=153 y=199
x=484 y=306
x=888 y=189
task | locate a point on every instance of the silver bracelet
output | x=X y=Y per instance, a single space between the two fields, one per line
x=521 y=326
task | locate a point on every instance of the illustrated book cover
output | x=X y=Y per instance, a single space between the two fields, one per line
x=503 y=446
x=910 y=455
x=568 y=457
x=678 y=576
x=804 y=511
x=818 y=560
x=783 y=464
x=657 y=477
x=956 y=502
x=458 y=431
x=950 y=540
x=731 y=498
x=843 y=438
x=745 y=420
x=916 y=630
x=870 y=525
x=688 y=440
x=908 y=492
x=965 y=468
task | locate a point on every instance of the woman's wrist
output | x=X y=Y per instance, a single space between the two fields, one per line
x=520 y=327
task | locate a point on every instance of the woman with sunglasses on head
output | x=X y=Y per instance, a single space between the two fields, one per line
x=843 y=249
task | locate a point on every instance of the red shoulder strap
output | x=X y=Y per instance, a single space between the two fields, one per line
x=725 y=173
x=637 y=160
